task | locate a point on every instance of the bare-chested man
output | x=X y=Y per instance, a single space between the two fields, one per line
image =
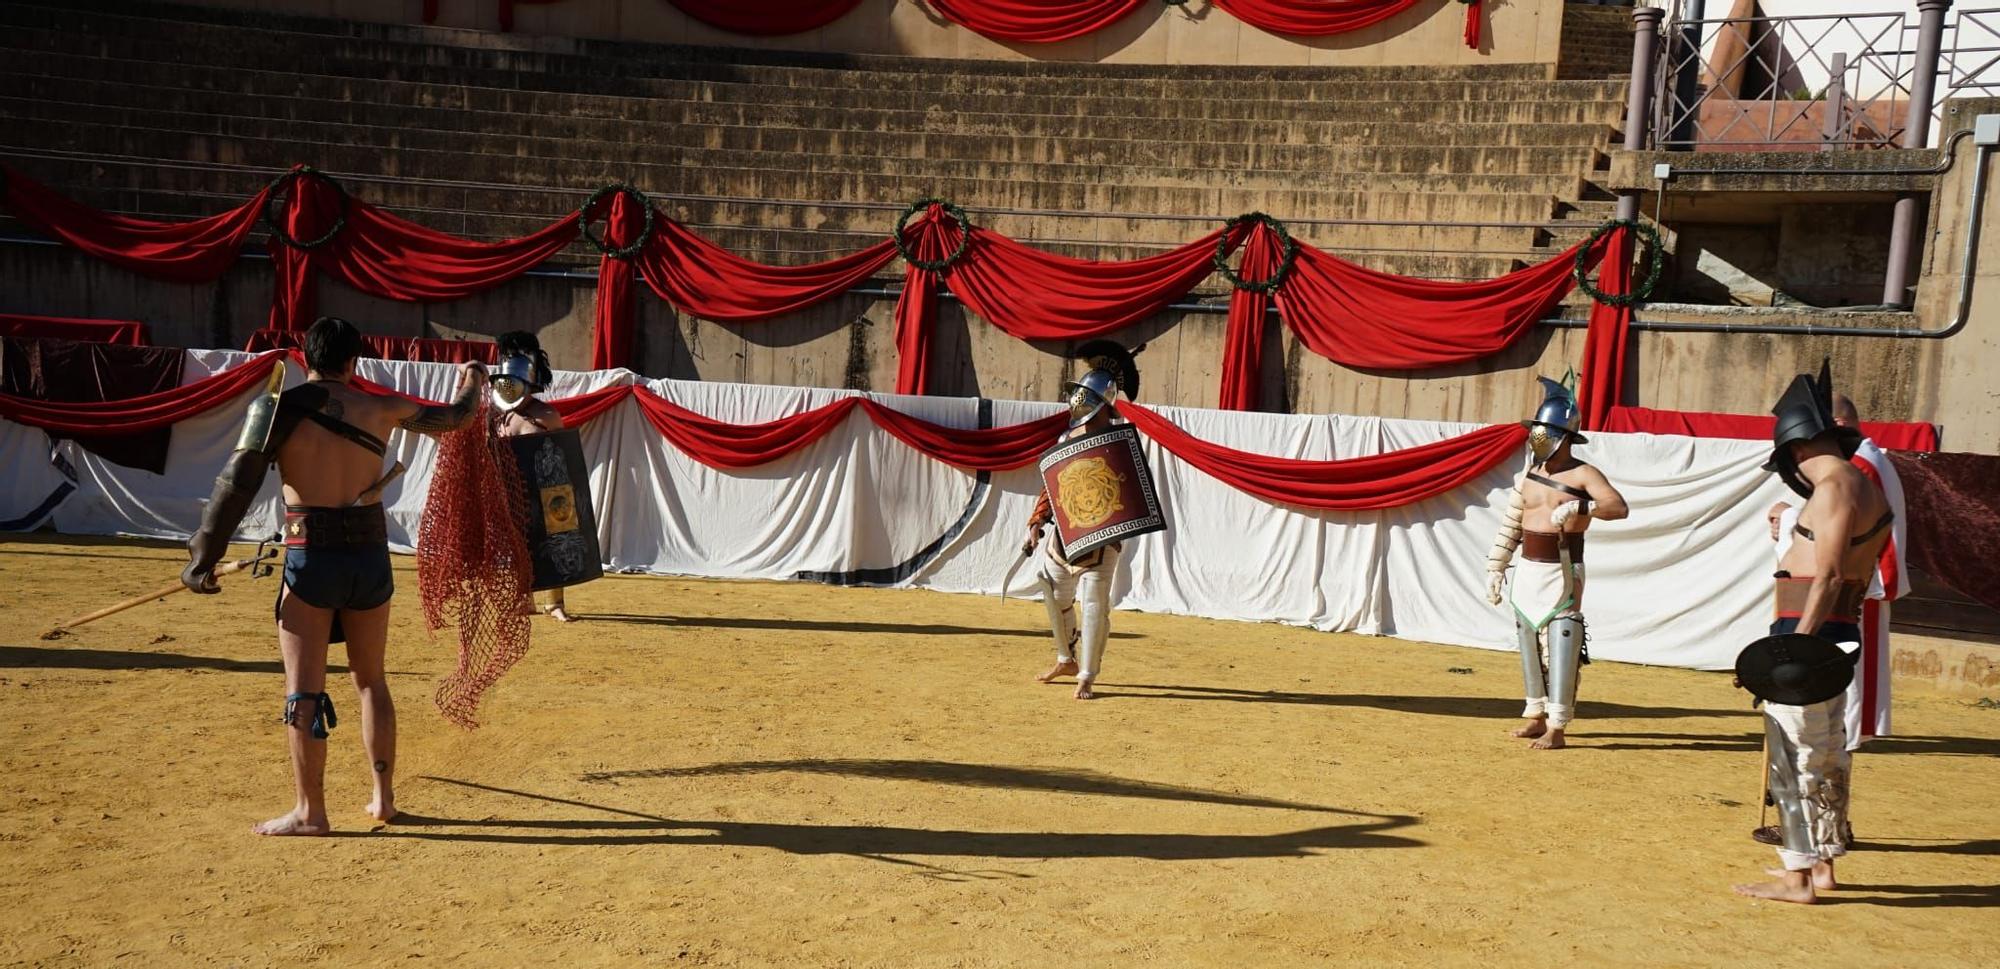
x=1550 y=509
x=327 y=439
x=1821 y=583
x=522 y=374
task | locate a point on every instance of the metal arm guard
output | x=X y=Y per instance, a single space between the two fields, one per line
x=1509 y=538
x=235 y=489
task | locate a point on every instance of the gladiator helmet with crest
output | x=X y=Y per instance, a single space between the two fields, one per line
x=522 y=371
x=1556 y=418
x=1112 y=371
x=1805 y=413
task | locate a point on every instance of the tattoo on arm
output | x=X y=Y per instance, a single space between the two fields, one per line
x=440 y=418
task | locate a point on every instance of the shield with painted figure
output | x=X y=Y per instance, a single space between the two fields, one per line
x=562 y=524
x=1101 y=490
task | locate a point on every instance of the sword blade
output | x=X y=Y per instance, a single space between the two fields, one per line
x=1008 y=579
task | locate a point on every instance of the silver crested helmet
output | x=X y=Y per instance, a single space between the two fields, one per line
x=1556 y=418
x=513 y=381
x=1112 y=372
x=1090 y=394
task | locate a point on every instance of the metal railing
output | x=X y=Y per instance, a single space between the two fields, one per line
x=1761 y=83
x=1819 y=82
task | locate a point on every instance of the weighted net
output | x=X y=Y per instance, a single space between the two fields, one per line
x=473 y=568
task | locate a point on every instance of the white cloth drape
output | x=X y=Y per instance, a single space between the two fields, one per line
x=1683 y=582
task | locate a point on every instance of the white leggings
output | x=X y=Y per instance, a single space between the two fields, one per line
x=1065 y=590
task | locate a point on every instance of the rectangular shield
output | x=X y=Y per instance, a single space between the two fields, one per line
x=562 y=524
x=1101 y=490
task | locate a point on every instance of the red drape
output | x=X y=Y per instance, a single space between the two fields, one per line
x=412 y=349
x=136 y=414
x=1243 y=342
x=723 y=445
x=1351 y=484
x=706 y=280
x=1893 y=435
x=1035 y=21
x=1603 y=380
x=199 y=251
x=1313 y=18
x=393 y=258
x=766 y=17
x=611 y=339
x=990 y=449
x=586 y=407
x=1362 y=318
x=131 y=333
x=1474 y=17
x=390 y=257
x=917 y=304
x=1035 y=295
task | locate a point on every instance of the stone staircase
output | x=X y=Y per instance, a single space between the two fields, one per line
x=1596 y=42
x=1462 y=172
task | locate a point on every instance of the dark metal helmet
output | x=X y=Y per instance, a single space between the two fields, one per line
x=514 y=379
x=1805 y=413
x=1112 y=372
x=1556 y=418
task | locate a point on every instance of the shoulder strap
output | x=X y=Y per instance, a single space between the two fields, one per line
x=1876 y=529
x=305 y=402
x=1858 y=540
x=1573 y=492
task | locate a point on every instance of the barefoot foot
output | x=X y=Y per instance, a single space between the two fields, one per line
x=556 y=613
x=293 y=825
x=1535 y=727
x=1062 y=668
x=382 y=810
x=1822 y=876
x=1553 y=740
x=1786 y=889
x=1083 y=690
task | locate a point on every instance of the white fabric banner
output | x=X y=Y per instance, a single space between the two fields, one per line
x=1683 y=582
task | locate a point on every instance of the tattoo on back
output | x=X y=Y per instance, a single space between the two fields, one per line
x=331 y=407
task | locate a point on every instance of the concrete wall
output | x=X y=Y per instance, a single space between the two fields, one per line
x=1516 y=32
x=1953 y=379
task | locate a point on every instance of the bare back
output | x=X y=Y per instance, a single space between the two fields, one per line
x=322 y=469
x=1841 y=509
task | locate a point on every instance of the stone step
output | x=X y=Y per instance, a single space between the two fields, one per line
x=655 y=76
x=185 y=193
x=750 y=99
x=615 y=120
x=1207 y=164
x=535 y=205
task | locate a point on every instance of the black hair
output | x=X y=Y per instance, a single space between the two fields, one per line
x=332 y=344
x=525 y=344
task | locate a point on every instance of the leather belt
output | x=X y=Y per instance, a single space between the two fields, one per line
x=1547 y=546
x=363 y=526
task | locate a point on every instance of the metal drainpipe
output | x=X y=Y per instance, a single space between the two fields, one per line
x=1639 y=102
x=1916 y=131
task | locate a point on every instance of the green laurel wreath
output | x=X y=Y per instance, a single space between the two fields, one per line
x=1655 y=258
x=645 y=232
x=955 y=213
x=339 y=220
x=1287 y=245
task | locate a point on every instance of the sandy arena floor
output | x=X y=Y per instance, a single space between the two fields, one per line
x=710 y=773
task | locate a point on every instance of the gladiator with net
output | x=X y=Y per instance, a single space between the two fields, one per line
x=328 y=439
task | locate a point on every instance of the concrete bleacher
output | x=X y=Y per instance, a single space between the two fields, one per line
x=1443 y=172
